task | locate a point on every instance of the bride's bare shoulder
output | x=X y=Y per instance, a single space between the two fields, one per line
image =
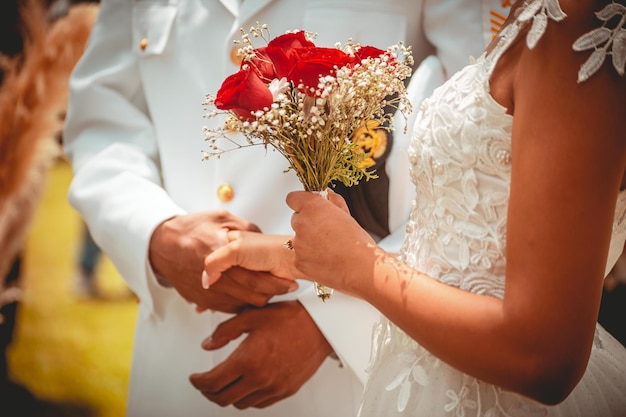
x=589 y=35
x=578 y=62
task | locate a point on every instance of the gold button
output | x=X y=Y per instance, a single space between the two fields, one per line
x=143 y=44
x=235 y=57
x=225 y=193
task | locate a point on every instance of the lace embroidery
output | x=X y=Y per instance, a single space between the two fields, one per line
x=605 y=40
x=470 y=398
x=539 y=11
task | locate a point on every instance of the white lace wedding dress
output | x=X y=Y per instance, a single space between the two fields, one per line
x=461 y=159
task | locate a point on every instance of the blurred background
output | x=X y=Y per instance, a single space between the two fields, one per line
x=66 y=316
x=70 y=350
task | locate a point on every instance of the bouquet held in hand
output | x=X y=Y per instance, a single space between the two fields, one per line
x=307 y=102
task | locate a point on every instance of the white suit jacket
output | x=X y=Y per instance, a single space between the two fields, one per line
x=134 y=136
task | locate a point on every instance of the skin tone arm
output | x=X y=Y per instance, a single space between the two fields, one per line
x=569 y=158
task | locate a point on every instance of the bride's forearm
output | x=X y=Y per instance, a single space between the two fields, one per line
x=470 y=332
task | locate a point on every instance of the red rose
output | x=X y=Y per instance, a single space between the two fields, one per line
x=300 y=61
x=243 y=93
x=282 y=51
x=290 y=41
x=312 y=63
x=261 y=63
x=365 y=52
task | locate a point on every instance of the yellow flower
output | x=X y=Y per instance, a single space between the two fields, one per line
x=371 y=140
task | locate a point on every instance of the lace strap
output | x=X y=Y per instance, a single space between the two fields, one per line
x=604 y=41
x=607 y=40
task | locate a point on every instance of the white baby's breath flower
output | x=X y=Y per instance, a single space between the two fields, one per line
x=278 y=87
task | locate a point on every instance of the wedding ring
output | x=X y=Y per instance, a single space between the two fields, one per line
x=288 y=244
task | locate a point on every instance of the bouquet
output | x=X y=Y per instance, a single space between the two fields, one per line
x=308 y=102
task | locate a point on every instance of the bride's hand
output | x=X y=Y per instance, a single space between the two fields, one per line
x=252 y=251
x=329 y=245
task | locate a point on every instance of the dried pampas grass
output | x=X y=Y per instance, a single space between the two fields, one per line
x=33 y=100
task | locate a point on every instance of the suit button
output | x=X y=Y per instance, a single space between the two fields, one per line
x=143 y=44
x=235 y=57
x=225 y=193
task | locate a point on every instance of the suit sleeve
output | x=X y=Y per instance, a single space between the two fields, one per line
x=110 y=141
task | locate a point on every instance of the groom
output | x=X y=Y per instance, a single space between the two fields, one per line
x=133 y=136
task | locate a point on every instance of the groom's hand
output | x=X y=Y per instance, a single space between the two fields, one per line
x=282 y=350
x=239 y=288
x=177 y=250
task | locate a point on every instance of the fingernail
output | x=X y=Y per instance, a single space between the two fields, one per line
x=207 y=342
x=294 y=286
x=205 y=280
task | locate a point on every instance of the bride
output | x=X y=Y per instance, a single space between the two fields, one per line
x=519 y=165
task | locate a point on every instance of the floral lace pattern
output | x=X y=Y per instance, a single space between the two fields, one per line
x=607 y=40
x=460 y=156
x=456 y=231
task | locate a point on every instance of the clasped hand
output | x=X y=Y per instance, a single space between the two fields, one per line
x=329 y=246
x=177 y=251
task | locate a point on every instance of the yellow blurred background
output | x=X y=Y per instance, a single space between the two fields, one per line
x=72 y=353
